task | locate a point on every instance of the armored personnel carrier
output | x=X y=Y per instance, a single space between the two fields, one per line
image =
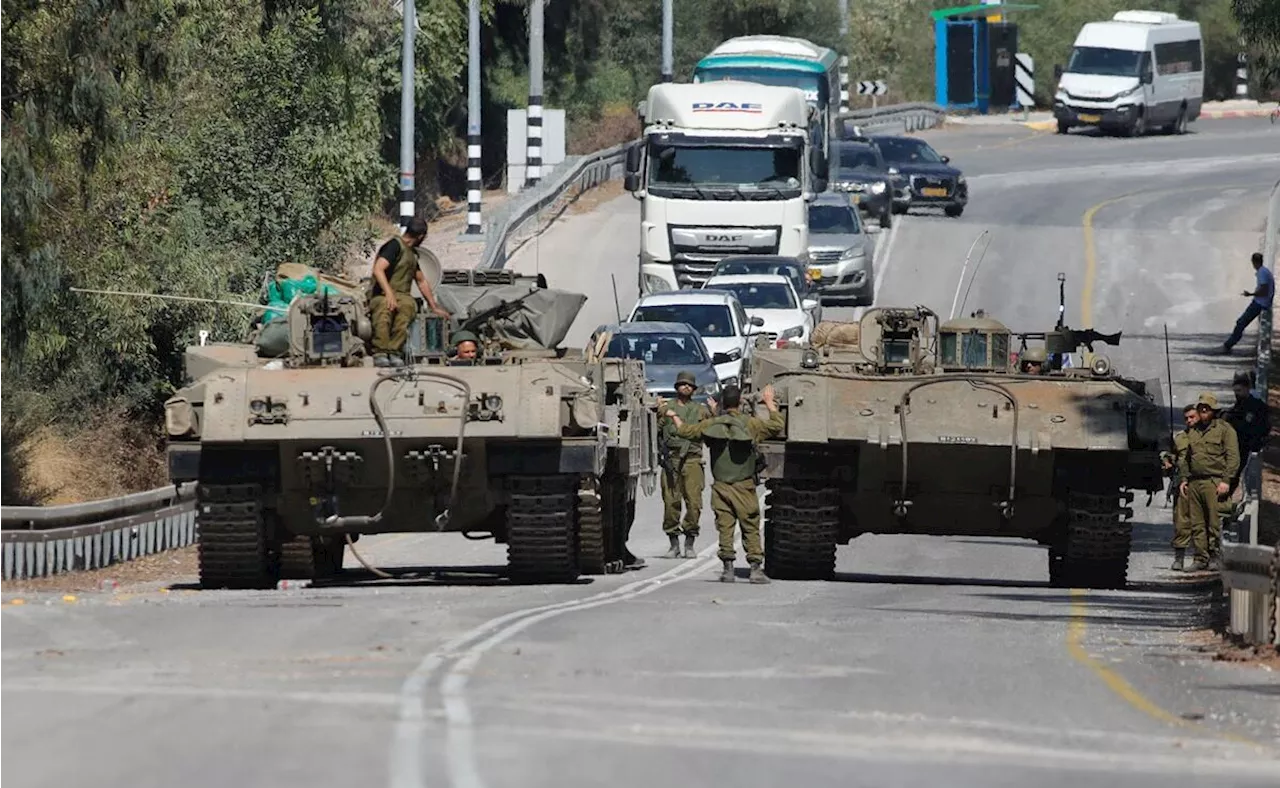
x=529 y=444
x=904 y=424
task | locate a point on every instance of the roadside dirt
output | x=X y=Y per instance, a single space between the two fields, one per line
x=170 y=565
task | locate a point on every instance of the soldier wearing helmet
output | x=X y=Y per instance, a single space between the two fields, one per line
x=1032 y=361
x=1205 y=472
x=683 y=477
x=466 y=347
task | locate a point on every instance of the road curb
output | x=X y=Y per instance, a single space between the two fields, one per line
x=1042 y=125
x=1260 y=112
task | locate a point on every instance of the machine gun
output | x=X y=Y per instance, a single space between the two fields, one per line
x=488 y=318
x=1064 y=340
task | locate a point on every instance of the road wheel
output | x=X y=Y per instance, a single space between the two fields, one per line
x=1063 y=127
x=953 y=210
x=899 y=209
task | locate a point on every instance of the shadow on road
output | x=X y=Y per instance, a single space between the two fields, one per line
x=417 y=576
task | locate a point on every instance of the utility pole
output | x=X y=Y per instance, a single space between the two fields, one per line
x=474 y=183
x=844 y=59
x=533 y=118
x=668 y=33
x=407 y=189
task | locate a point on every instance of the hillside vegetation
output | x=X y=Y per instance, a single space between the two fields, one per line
x=189 y=146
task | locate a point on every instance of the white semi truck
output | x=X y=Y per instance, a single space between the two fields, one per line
x=725 y=168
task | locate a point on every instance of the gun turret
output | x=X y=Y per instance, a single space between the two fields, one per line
x=482 y=323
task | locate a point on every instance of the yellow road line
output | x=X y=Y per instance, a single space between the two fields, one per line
x=1122 y=688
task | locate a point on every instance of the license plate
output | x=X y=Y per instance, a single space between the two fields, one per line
x=1091 y=118
x=815 y=274
x=934 y=191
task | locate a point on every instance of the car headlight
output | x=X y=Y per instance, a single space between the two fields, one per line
x=727 y=382
x=961 y=181
x=878 y=187
x=853 y=253
x=734 y=355
x=791 y=333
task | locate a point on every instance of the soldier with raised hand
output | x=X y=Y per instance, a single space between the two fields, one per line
x=684 y=479
x=1181 y=503
x=1211 y=459
x=732 y=437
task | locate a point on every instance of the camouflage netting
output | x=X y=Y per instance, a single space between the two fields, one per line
x=836 y=334
x=542 y=320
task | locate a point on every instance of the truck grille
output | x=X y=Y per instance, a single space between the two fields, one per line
x=696 y=250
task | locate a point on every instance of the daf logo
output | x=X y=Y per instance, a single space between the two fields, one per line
x=727 y=106
x=723 y=239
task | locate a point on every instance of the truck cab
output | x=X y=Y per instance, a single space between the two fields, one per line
x=724 y=168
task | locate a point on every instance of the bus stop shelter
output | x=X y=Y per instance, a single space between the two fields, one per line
x=974 y=50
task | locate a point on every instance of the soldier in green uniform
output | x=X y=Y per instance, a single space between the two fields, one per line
x=395 y=269
x=1181 y=503
x=683 y=484
x=1212 y=457
x=732 y=438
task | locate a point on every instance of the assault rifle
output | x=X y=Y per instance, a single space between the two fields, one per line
x=501 y=311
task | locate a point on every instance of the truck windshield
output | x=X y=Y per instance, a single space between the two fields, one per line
x=703 y=172
x=812 y=84
x=1104 y=62
x=709 y=320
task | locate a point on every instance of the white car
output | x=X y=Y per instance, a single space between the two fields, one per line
x=726 y=329
x=773 y=299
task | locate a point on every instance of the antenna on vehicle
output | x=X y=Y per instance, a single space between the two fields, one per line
x=617 y=307
x=1168 y=368
x=981 y=235
x=195 y=299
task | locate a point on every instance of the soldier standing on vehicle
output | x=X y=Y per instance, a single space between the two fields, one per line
x=732 y=438
x=1181 y=503
x=395 y=269
x=1212 y=458
x=683 y=478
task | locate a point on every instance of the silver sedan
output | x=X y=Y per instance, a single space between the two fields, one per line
x=841 y=254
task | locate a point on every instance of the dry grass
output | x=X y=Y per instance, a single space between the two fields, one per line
x=618 y=123
x=113 y=457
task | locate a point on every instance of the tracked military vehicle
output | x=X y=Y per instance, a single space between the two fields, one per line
x=529 y=444
x=904 y=424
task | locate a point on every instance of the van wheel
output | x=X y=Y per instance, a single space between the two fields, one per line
x=1139 y=126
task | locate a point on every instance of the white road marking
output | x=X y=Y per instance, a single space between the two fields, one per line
x=406 y=752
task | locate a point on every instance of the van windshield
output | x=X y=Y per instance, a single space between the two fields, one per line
x=1105 y=62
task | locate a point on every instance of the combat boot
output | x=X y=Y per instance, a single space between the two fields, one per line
x=1215 y=563
x=381 y=360
x=727 y=576
x=688 y=546
x=674 y=552
x=1201 y=564
x=757 y=574
x=1178 y=557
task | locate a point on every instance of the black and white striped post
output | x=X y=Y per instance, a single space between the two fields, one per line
x=474 y=184
x=407 y=190
x=1242 y=76
x=533 y=118
x=844 y=83
x=1024 y=81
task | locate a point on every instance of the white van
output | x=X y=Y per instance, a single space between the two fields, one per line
x=1140 y=70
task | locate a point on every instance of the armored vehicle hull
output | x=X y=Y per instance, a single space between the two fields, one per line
x=977 y=451
x=537 y=449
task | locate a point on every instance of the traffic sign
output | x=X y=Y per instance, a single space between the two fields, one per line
x=872 y=88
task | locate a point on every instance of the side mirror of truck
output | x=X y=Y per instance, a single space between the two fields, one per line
x=633 y=160
x=1146 y=77
x=631 y=182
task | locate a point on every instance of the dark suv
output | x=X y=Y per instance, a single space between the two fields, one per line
x=926 y=174
x=858 y=169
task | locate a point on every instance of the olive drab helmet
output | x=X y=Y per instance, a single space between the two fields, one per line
x=686 y=377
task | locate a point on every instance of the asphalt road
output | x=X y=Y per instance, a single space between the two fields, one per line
x=927 y=662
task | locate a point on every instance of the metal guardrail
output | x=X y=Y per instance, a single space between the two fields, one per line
x=1251 y=572
x=909 y=117
x=39 y=541
x=575 y=176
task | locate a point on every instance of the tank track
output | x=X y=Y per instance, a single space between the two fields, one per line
x=542 y=544
x=311 y=557
x=234 y=550
x=1093 y=551
x=802 y=523
x=601 y=509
